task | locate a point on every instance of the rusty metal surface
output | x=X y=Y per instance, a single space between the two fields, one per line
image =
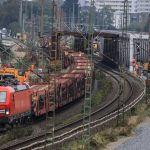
x=80 y=34
x=148 y=83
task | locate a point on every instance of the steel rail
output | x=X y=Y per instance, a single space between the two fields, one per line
x=72 y=132
x=94 y=124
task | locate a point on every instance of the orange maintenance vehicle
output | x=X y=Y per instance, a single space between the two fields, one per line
x=6 y=72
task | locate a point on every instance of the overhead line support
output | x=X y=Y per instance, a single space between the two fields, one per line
x=86 y=137
x=123 y=56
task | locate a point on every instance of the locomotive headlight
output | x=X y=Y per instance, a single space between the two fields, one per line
x=7 y=111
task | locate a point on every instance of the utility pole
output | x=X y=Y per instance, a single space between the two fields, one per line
x=124 y=47
x=79 y=8
x=52 y=94
x=88 y=85
x=32 y=22
x=125 y=18
x=24 y=19
x=149 y=41
x=148 y=71
x=42 y=18
x=54 y=54
x=20 y=16
x=40 y=34
x=73 y=16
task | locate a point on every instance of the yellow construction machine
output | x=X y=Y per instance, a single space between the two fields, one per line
x=6 y=71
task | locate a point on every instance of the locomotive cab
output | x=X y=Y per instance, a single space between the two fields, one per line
x=15 y=104
x=5 y=104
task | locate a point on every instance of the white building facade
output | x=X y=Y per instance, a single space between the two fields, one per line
x=134 y=7
x=116 y=5
x=84 y=2
x=141 y=6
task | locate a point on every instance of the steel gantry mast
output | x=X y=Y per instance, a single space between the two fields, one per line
x=125 y=18
x=124 y=54
x=124 y=51
x=149 y=39
x=20 y=16
x=52 y=94
x=148 y=69
x=88 y=84
x=54 y=31
x=42 y=18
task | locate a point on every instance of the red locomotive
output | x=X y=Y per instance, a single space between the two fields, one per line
x=19 y=102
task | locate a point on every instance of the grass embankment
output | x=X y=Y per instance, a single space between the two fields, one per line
x=104 y=86
x=124 y=128
x=15 y=133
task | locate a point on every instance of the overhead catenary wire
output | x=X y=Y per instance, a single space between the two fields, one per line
x=18 y=60
x=86 y=136
x=122 y=62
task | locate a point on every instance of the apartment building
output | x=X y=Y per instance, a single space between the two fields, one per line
x=135 y=8
x=141 y=6
x=116 y=5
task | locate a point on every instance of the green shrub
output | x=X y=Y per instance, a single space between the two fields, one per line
x=16 y=133
x=98 y=141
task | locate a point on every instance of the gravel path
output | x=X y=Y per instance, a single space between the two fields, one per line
x=140 y=140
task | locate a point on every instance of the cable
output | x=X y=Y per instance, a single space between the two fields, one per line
x=18 y=60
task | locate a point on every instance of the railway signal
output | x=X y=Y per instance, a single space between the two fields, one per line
x=133 y=62
x=95 y=46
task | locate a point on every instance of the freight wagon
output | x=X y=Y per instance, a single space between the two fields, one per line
x=20 y=102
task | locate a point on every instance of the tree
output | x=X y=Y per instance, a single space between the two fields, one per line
x=102 y=18
x=85 y=14
x=134 y=26
x=68 y=7
x=142 y=26
x=9 y=12
x=105 y=17
x=14 y=27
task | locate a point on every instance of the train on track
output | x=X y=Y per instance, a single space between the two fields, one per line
x=19 y=102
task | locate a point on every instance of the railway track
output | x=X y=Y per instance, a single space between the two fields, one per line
x=99 y=117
